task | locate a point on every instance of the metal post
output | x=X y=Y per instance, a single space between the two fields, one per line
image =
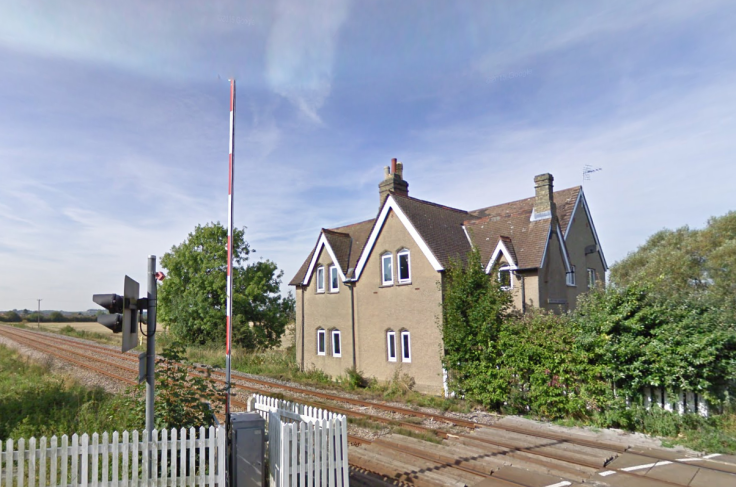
x=151 y=347
x=38 y=316
x=230 y=243
x=229 y=289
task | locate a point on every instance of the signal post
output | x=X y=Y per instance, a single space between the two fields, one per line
x=126 y=312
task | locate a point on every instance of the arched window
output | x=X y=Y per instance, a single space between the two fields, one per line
x=504 y=277
x=404 y=266
x=391 y=345
x=405 y=346
x=336 y=344
x=387 y=269
x=334 y=280
x=320 y=279
x=321 y=341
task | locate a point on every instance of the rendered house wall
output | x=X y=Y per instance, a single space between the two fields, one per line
x=552 y=287
x=329 y=311
x=413 y=307
x=579 y=236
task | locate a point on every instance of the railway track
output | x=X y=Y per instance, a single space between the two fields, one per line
x=489 y=448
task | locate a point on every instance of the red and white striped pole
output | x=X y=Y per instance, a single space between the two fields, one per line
x=229 y=291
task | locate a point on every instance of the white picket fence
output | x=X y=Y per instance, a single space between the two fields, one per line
x=177 y=458
x=307 y=446
x=680 y=401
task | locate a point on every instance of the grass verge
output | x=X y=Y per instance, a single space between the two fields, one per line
x=35 y=402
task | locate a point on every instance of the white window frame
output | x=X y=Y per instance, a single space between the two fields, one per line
x=570 y=278
x=320 y=279
x=508 y=269
x=398 y=266
x=336 y=333
x=336 y=279
x=404 y=357
x=322 y=332
x=592 y=274
x=390 y=257
x=391 y=339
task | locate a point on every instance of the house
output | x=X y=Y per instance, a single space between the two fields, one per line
x=369 y=294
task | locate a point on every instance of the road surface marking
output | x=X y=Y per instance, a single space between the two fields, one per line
x=564 y=483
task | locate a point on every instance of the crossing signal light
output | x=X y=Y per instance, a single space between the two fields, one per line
x=123 y=310
x=114 y=304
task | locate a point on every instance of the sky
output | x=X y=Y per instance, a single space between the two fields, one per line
x=114 y=122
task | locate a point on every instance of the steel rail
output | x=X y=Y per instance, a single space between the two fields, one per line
x=299 y=390
x=347 y=412
x=380 y=419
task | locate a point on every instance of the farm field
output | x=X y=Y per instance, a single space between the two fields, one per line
x=92 y=327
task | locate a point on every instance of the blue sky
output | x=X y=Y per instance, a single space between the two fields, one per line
x=114 y=121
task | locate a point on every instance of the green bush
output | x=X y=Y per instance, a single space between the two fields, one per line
x=354 y=379
x=183 y=399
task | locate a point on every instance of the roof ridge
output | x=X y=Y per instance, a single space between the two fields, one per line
x=522 y=199
x=335 y=232
x=350 y=225
x=432 y=203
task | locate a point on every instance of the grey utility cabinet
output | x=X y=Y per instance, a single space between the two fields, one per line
x=248 y=450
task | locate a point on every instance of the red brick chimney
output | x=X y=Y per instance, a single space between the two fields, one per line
x=393 y=181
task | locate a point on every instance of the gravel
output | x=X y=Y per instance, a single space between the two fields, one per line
x=65 y=369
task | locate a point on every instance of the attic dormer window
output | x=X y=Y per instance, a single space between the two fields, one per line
x=334 y=282
x=320 y=279
x=504 y=278
x=387 y=269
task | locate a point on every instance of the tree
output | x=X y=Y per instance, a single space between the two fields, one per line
x=192 y=298
x=56 y=317
x=687 y=264
x=473 y=310
x=12 y=317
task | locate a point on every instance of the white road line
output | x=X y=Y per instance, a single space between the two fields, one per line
x=606 y=473
x=648 y=465
x=697 y=459
x=564 y=483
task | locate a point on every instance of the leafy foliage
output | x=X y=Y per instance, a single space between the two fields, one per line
x=641 y=338
x=192 y=299
x=183 y=399
x=692 y=265
x=541 y=369
x=473 y=311
x=11 y=317
x=588 y=363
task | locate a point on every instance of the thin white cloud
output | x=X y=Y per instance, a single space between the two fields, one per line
x=301 y=51
x=662 y=163
x=561 y=25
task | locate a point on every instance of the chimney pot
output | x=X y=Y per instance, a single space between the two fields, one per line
x=393 y=181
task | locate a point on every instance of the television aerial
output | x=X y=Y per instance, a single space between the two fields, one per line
x=588 y=170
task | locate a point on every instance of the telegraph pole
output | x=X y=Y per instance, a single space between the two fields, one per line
x=38 y=316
